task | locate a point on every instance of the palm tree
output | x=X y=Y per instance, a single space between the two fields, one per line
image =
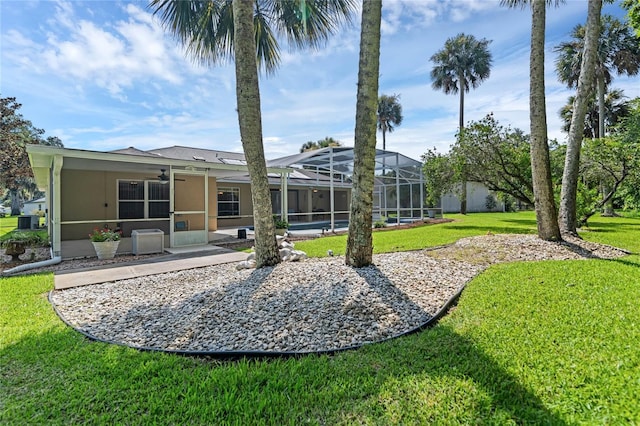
x=322 y=143
x=462 y=64
x=546 y=214
x=569 y=192
x=389 y=115
x=618 y=50
x=616 y=107
x=359 y=241
x=217 y=30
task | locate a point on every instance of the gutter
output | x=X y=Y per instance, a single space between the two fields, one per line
x=34 y=265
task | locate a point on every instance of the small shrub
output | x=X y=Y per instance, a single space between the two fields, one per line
x=29 y=239
x=280 y=223
x=105 y=234
x=380 y=223
x=490 y=203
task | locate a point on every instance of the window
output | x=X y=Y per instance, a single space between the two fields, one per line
x=139 y=199
x=158 y=199
x=228 y=201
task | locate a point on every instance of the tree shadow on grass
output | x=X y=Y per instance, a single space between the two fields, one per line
x=625 y=261
x=438 y=351
x=437 y=366
x=436 y=376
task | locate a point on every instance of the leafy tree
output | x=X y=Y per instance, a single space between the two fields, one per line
x=498 y=157
x=633 y=9
x=618 y=51
x=217 y=30
x=389 y=115
x=440 y=176
x=568 y=195
x=359 y=251
x=16 y=133
x=546 y=214
x=609 y=162
x=462 y=64
x=615 y=105
x=319 y=144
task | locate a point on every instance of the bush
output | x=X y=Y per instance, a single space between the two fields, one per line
x=490 y=203
x=30 y=239
x=280 y=223
x=380 y=223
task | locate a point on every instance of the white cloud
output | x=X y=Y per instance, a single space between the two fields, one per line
x=112 y=56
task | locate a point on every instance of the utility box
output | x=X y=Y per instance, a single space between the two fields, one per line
x=28 y=222
x=147 y=241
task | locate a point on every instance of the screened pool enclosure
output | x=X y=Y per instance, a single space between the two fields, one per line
x=398 y=194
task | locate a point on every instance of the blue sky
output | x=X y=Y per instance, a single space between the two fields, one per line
x=103 y=75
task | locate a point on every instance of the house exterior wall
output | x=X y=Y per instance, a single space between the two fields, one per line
x=92 y=195
x=246 y=208
x=34 y=207
x=476 y=200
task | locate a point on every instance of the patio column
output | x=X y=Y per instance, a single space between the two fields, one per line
x=284 y=199
x=56 y=241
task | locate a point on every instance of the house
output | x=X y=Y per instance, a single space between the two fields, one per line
x=188 y=193
x=35 y=206
x=479 y=199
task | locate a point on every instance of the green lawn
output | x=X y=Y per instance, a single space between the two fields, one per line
x=528 y=343
x=8 y=224
x=388 y=239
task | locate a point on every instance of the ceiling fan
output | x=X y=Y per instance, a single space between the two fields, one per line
x=163 y=177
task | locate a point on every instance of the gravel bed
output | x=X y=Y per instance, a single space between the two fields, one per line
x=308 y=306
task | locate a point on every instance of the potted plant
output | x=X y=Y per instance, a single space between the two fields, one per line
x=281 y=225
x=105 y=242
x=16 y=243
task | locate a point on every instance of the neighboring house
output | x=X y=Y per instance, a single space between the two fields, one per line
x=34 y=207
x=188 y=192
x=478 y=200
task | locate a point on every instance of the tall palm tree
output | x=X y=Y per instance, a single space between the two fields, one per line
x=568 y=195
x=461 y=65
x=217 y=30
x=359 y=241
x=389 y=115
x=616 y=107
x=546 y=213
x=618 y=51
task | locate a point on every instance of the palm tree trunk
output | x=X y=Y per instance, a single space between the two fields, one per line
x=608 y=206
x=601 y=110
x=568 y=195
x=546 y=216
x=359 y=242
x=463 y=183
x=250 y=120
x=384 y=140
x=384 y=157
